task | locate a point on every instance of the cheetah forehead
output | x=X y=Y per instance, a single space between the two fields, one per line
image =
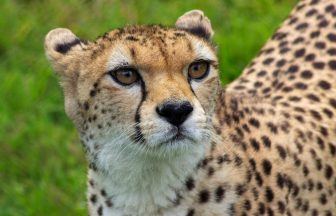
x=151 y=46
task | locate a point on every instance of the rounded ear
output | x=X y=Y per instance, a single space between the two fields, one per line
x=196 y=23
x=64 y=50
x=59 y=44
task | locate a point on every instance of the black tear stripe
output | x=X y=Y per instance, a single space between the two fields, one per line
x=192 y=90
x=65 y=47
x=138 y=137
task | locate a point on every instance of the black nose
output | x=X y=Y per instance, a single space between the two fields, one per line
x=175 y=112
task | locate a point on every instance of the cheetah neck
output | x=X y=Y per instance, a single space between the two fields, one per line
x=144 y=184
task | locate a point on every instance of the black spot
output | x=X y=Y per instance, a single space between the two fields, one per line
x=268 y=61
x=328 y=112
x=270 y=212
x=255 y=144
x=311 y=12
x=190 y=184
x=318 y=164
x=131 y=38
x=328 y=212
x=332 y=64
x=91 y=182
x=65 y=47
x=332 y=102
x=306 y=74
x=254 y=122
x=93 y=198
x=281 y=63
x=109 y=203
x=261 y=73
x=315 y=34
x=100 y=210
x=331 y=51
x=328 y=171
x=299 y=53
x=284 y=50
x=314 y=212
x=247 y=205
x=301 y=26
x=240 y=189
x=280 y=180
x=330 y=8
x=310 y=57
x=293 y=69
x=261 y=208
x=269 y=194
x=219 y=194
x=238 y=161
x=323 y=199
x=318 y=65
x=232 y=210
x=281 y=151
x=223 y=158
x=179 y=34
x=319 y=186
x=281 y=207
x=266 y=141
x=305 y=170
x=332 y=149
x=267 y=166
x=191 y=212
x=203 y=163
x=211 y=171
x=332 y=37
x=273 y=128
x=103 y=192
x=93 y=93
x=86 y=106
x=292 y=20
x=252 y=163
x=324 y=84
x=316 y=115
x=324 y=131
x=259 y=179
x=313 y=97
x=305 y=206
x=320 y=45
x=323 y=23
x=204 y=196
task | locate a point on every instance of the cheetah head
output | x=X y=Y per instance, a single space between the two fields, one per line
x=145 y=90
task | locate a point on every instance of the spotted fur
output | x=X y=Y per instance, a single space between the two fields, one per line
x=264 y=145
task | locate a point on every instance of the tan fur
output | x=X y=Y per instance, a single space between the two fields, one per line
x=264 y=145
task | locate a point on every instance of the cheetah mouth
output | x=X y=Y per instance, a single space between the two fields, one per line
x=176 y=135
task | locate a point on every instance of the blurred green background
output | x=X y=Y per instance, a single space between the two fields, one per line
x=42 y=166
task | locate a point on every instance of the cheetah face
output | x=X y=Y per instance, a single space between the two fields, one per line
x=141 y=88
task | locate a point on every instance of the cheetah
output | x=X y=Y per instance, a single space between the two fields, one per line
x=162 y=137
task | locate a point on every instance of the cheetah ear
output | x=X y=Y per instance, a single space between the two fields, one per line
x=63 y=49
x=196 y=23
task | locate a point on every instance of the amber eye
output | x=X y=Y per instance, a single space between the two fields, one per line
x=198 y=70
x=125 y=76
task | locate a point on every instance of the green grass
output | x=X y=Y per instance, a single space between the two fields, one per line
x=42 y=166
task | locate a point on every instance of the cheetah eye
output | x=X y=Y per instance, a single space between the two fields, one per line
x=198 y=70
x=125 y=76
